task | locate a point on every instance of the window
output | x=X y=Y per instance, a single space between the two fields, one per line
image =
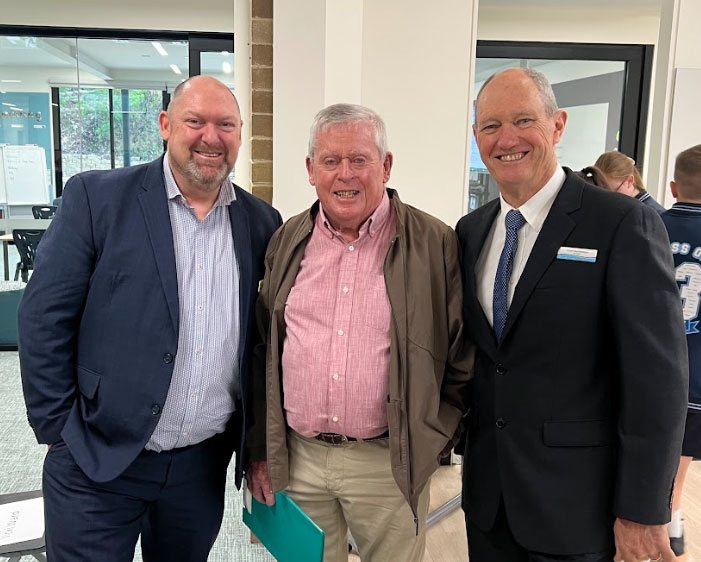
x=90 y=98
x=604 y=89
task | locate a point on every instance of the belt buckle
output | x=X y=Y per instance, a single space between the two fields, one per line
x=333 y=438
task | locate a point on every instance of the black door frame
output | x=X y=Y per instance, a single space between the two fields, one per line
x=638 y=78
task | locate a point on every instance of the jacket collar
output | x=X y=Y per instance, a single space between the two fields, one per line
x=557 y=226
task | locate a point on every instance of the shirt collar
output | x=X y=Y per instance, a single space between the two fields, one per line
x=537 y=207
x=687 y=206
x=226 y=194
x=370 y=226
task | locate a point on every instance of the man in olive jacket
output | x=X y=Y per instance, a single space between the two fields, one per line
x=361 y=308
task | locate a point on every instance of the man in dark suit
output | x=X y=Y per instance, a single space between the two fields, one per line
x=134 y=341
x=580 y=375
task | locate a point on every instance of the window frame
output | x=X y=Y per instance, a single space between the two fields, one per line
x=198 y=42
x=638 y=78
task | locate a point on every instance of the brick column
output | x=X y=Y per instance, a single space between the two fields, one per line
x=262 y=99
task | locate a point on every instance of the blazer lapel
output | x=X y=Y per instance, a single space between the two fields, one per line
x=154 y=204
x=476 y=237
x=556 y=228
x=240 y=230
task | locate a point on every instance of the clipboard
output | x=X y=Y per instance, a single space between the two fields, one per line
x=284 y=529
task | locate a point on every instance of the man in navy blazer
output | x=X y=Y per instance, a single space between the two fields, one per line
x=134 y=341
x=580 y=374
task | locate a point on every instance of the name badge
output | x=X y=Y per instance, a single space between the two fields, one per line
x=577 y=254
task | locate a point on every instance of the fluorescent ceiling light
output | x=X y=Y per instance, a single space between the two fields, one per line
x=9 y=104
x=175 y=69
x=12 y=81
x=15 y=126
x=159 y=48
x=226 y=67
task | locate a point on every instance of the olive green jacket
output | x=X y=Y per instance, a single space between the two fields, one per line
x=430 y=359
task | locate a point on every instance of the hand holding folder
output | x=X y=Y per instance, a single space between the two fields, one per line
x=284 y=529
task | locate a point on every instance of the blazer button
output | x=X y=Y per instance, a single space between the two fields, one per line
x=501 y=423
x=155 y=409
x=501 y=370
x=168 y=358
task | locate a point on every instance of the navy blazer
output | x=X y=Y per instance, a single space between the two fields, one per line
x=98 y=323
x=578 y=412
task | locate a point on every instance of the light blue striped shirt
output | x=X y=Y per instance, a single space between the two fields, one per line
x=205 y=382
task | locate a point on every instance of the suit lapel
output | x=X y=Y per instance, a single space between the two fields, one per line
x=154 y=204
x=556 y=228
x=240 y=230
x=476 y=238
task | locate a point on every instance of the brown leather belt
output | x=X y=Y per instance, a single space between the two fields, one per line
x=338 y=439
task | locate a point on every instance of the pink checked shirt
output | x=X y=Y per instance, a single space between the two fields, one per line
x=335 y=360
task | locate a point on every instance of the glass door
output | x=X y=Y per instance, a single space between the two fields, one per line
x=603 y=88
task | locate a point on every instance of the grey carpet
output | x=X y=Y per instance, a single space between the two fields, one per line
x=21 y=460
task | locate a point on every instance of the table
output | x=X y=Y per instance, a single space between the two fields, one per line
x=6 y=240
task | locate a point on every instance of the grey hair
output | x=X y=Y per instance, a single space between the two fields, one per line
x=343 y=113
x=545 y=90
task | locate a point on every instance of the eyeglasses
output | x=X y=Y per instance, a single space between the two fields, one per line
x=620 y=185
x=356 y=163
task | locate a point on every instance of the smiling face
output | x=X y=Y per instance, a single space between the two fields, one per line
x=348 y=174
x=203 y=130
x=515 y=135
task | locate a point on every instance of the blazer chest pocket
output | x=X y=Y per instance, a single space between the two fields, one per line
x=577 y=433
x=88 y=381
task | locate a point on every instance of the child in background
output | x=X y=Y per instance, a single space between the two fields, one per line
x=683 y=222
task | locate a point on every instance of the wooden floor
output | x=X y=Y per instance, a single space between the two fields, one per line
x=446 y=542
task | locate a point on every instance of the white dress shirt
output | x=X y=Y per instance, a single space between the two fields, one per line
x=535 y=210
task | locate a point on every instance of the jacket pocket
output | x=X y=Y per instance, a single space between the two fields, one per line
x=578 y=433
x=88 y=381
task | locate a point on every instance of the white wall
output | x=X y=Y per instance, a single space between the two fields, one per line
x=684 y=129
x=170 y=15
x=299 y=84
x=415 y=70
x=569 y=23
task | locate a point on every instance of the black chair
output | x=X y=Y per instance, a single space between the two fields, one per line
x=44 y=211
x=26 y=242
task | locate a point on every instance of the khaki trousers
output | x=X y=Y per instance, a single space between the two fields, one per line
x=351 y=486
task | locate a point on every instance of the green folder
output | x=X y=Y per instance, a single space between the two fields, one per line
x=284 y=529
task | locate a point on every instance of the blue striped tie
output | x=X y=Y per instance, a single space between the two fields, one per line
x=514 y=221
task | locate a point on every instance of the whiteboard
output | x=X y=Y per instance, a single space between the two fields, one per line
x=23 y=175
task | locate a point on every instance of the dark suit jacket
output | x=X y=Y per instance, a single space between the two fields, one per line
x=98 y=324
x=578 y=413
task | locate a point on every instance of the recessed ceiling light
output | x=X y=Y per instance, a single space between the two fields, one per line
x=16 y=126
x=226 y=67
x=9 y=104
x=174 y=68
x=159 y=48
x=11 y=81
